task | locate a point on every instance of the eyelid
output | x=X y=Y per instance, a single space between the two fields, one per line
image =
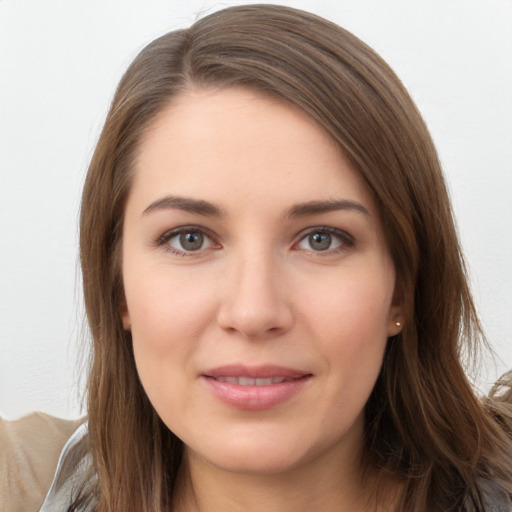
x=347 y=240
x=163 y=239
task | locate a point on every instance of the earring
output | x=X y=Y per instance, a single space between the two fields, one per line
x=398 y=324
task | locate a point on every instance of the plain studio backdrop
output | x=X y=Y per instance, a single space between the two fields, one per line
x=59 y=65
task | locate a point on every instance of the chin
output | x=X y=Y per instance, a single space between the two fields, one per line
x=251 y=455
x=257 y=463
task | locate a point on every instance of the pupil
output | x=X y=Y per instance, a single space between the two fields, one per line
x=191 y=241
x=320 y=241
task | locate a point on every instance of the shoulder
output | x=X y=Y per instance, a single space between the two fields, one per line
x=29 y=451
x=494 y=498
x=72 y=474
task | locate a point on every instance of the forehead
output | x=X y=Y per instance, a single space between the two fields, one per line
x=236 y=143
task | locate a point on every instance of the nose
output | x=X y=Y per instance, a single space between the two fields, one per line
x=254 y=301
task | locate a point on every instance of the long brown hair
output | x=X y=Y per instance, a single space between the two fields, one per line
x=424 y=423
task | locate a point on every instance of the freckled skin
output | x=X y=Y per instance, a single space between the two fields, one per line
x=257 y=291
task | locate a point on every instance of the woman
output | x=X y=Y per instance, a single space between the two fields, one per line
x=275 y=290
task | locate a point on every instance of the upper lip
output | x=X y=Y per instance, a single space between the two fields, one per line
x=255 y=372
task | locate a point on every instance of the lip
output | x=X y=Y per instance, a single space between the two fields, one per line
x=253 y=397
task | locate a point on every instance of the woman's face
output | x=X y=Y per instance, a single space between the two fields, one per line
x=259 y=287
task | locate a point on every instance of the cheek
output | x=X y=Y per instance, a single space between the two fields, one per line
x=356 y=309
x=168 y=320
x=350 y=323
x=166 y=313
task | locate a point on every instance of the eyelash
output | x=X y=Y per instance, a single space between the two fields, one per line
x=163 y=241
x=346 y=240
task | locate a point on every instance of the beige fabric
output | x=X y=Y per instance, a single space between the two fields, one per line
x=29 y=452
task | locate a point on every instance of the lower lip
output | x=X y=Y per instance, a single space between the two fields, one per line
x=255 y=398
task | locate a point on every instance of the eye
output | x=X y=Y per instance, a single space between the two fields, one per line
x=186 y=240
x=325 y=240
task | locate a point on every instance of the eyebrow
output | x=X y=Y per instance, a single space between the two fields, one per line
x=201 y=207
x=317 y=207
x=186 y=204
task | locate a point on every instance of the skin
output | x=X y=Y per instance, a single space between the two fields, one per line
x=257 y=291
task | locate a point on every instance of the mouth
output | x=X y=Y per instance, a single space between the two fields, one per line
x=255 y=388
x=251 y=381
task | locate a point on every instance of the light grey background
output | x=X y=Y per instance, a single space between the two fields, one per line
x=59 y=64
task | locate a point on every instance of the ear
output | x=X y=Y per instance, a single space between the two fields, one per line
x=395 y=320
x=127 y=324
x=125 y=317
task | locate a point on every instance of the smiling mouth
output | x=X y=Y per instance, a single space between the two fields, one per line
x=251 y=381
x=255 y=388
x=264 y=375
